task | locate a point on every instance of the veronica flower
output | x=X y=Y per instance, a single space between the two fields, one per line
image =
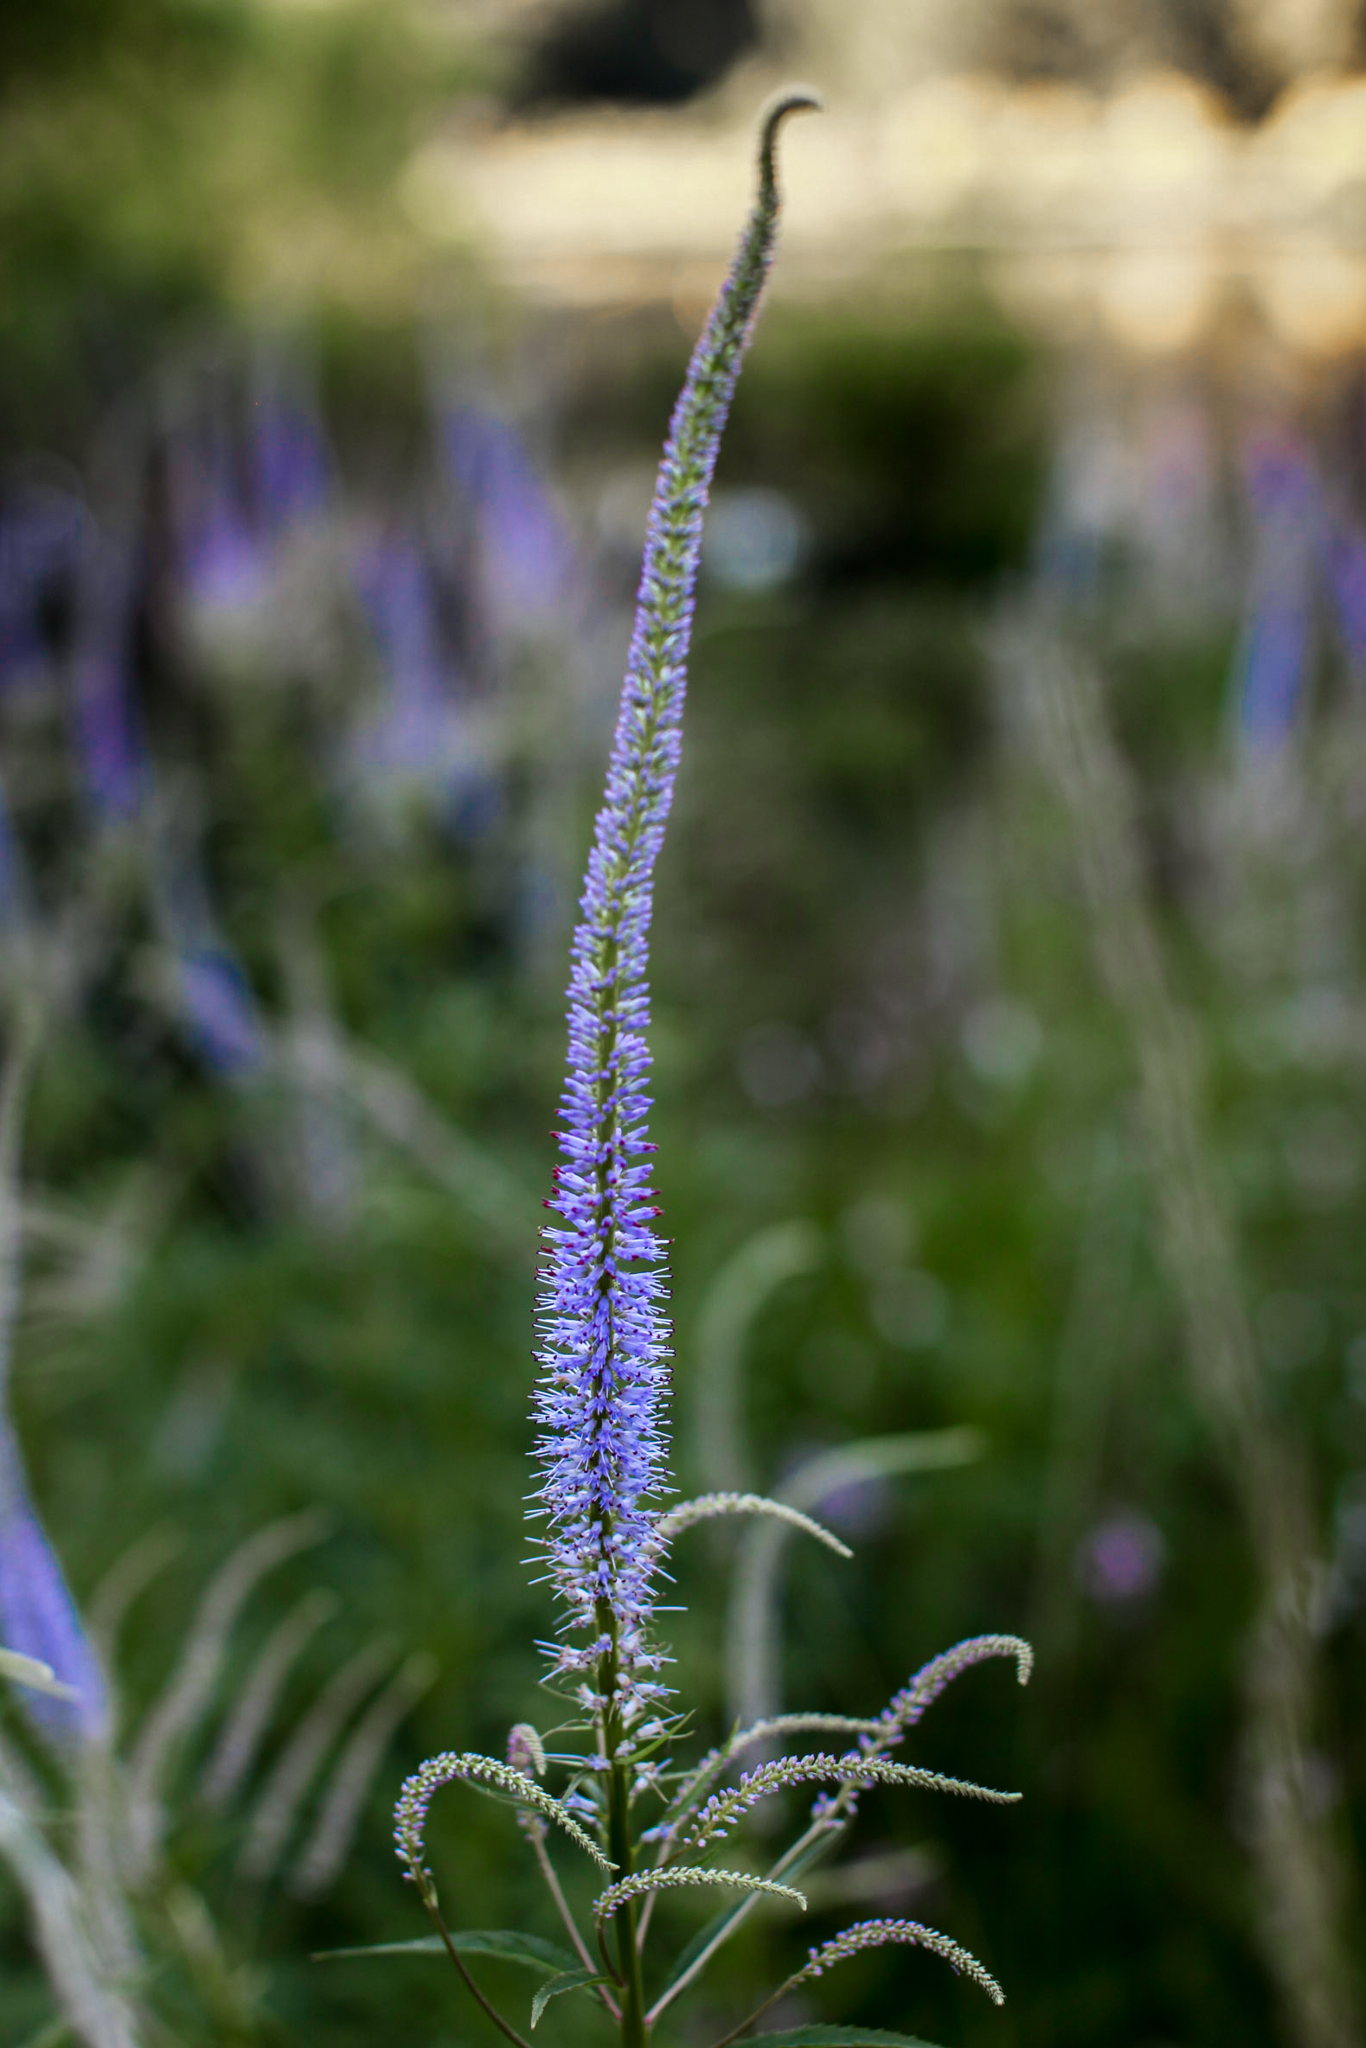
x=604 y=1335
x=602 y=1440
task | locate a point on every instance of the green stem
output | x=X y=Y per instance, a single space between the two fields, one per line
x=742 y=1912
x=628 y=1949
x=547 y=1870
x=429 y=1901
x=620 y=1846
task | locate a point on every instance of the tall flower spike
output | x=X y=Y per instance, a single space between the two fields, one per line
x=604 y=1334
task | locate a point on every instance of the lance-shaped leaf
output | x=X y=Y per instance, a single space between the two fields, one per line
x=509 y=1946
x=568 y=1980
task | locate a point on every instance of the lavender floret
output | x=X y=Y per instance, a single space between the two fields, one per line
x=604 y=1350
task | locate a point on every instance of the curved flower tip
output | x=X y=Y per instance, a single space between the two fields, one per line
x=789 y=99
x=933 y=1678
x=605 y=1336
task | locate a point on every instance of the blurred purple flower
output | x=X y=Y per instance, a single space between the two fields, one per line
x=396 y=589
x=424 y=730
x=213 y=994
x=219 y=1009
x=108 y=742
x=220 y=554
x=291 y=469
x=529 y=566
x=1273 y=657
x=38 y=1616
x=1121 y=1559
x=1347 y=581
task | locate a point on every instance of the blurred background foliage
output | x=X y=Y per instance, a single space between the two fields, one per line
x=317 y=544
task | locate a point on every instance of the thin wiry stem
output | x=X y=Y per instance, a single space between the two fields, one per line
x=547 y=1869
x=790 y=1857
x=866 y=1934
x=503 y=2026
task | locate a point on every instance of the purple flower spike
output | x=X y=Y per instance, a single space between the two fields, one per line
x=604 y=1335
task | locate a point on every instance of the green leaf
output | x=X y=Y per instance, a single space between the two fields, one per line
x=528 y=1949
x=568 y=1980
x=837 y=2037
